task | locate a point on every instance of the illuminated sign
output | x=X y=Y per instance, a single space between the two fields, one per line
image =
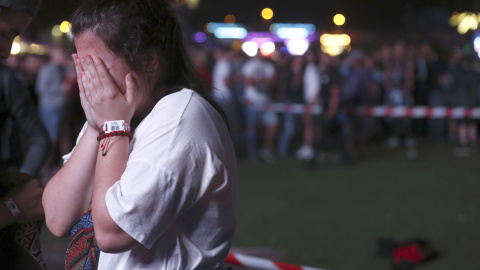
x=227 y=30
x=292 y=30
x=334 y=44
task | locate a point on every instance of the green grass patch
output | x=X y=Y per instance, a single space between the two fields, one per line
x=332 y=217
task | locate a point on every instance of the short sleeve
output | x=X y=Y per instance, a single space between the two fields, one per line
x=173 y=165
x=145 y=202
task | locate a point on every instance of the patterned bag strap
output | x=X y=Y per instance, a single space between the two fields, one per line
x=83 y=251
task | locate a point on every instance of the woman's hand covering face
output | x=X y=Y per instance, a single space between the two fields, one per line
x=100 y=96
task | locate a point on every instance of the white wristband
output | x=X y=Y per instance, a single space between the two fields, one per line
x=117 y=125
x=11 y=206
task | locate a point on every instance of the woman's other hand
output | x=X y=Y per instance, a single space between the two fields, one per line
x=28 y=198
x=84 y=101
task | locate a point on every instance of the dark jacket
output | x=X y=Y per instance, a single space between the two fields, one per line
x=18 y=112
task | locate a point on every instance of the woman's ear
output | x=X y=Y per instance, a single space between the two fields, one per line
x=151 y=63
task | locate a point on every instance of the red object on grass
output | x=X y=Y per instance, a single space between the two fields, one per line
x=411 y=254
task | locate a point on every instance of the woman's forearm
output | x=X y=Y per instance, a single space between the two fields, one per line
x=69 y=192
x=110 y=237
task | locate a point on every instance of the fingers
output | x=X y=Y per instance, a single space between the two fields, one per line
x=80 y=78
x=87 y=93
x=104 y=76
x=77 y=62
x=90 y=80
x=79 y=70
x=131 y=88
x=103 y=98
x=98 y=77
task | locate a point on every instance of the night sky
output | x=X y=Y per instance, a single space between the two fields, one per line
x=360 y=14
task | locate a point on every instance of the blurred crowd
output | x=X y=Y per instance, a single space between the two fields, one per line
x=52 y=84
x=395 y=74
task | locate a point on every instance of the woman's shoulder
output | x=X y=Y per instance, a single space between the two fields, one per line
x=180 y=100
x=175 y=99
x=186 y=106
x=176 y=106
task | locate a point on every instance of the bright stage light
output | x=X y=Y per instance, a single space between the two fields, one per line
x=56 y=32
x=37 y=49
x=339 y=19
x=15 y=48
x=297 y=46
x=192 y=4
x=230 y=19
x=250 y=48
x=200 y=37
x=464 y=21
x=267 y=48
x=227 y=30
x=333 y=40
x=267 y=13
x=210 y=27
x=230 y=32
x=334 y=44
x=65 y=27
x=476 y=44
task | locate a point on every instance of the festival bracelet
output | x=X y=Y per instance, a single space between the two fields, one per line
x=114 y=128
x=11 y=206
x=110 y=129
x=102 y=136
x=117 y=125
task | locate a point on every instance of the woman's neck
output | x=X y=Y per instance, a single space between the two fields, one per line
x=138 y=117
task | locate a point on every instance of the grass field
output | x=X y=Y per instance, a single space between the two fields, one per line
x=332 y=217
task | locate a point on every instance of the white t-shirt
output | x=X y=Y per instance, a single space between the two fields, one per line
x=177 y=196
x=257 y=70
x=221 y=71
x=311 y=83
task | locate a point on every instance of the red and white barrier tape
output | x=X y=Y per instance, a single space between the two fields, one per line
x=420 y=112
x=383 y=111
x=261 y=263
x=286 y=107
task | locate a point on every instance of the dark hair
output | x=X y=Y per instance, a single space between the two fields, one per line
x=131 y=28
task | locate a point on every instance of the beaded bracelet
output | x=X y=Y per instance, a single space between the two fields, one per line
x=102 y=135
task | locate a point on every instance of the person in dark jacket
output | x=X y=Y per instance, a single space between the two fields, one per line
x=21 y=209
